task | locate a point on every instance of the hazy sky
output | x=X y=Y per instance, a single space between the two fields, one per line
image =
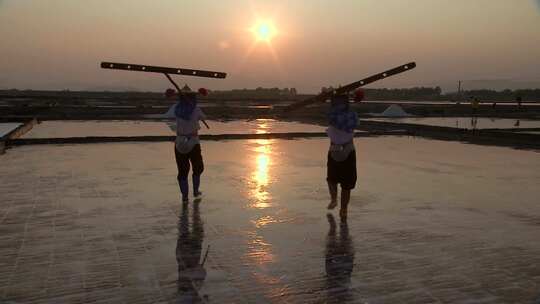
x=58 y=44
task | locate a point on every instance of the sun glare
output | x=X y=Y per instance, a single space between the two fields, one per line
x=264 y=33
x=264 y=30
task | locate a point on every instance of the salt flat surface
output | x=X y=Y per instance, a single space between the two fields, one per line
x=465 y=122
x=429 y=222
x=78 y=128
x=54 y=129
x=7 y=127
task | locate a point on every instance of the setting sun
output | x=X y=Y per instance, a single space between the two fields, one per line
x=264 y=31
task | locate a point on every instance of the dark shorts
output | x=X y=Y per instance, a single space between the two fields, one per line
x=183 y=162
x=343 y=172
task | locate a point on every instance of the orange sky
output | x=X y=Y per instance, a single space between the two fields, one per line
x=58 y=44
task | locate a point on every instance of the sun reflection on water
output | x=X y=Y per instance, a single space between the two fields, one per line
x=261 y=174
x=259 y=251
x=260 y=177
x=262 y=126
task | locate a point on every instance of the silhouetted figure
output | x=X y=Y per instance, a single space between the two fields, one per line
x=475 y=104
x=518 y=100
x=474 y=122
x=339 y=261
x=341 y=164
x=517 y=123
x=187 y=146
x=191 y=272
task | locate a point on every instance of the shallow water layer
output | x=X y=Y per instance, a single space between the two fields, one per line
x=429 y=222
x=465 y=122
x=53 y=129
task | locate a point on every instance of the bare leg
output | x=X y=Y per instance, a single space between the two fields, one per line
x=332 y=188
x=345 y=198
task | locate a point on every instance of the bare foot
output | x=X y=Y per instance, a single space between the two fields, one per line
x=332 y=205
x=343 y=214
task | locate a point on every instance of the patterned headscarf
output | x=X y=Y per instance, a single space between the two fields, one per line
x=185 y=106
x=341 y=116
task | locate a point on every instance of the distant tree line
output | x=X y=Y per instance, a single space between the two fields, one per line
x=420 y=93
x=67 y=94
x=258 y=93
x=492 y=95
x=264 y=94
x=436 y=94
x=277 y=94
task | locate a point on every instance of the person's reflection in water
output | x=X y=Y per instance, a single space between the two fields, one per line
x=339 y=262
x=191 y=272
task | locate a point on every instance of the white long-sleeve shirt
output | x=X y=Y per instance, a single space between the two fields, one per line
x=339 y=137
x=187 y=127
x=187 y=131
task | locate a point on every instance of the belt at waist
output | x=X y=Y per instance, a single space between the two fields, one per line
x=343 y=145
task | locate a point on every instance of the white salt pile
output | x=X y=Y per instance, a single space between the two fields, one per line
x=393 y=111
x=6 y=128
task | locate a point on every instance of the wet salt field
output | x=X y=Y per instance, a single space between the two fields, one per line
x=80 y=128
x=52 y=129
x=465 y=122
x=77 y=128
x=7 y=127
x=429 y=222
x=258 y=126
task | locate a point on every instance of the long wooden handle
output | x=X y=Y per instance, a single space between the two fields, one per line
x=163 y=70
x=205 y=256
x=173 y=83
x=351 y=86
